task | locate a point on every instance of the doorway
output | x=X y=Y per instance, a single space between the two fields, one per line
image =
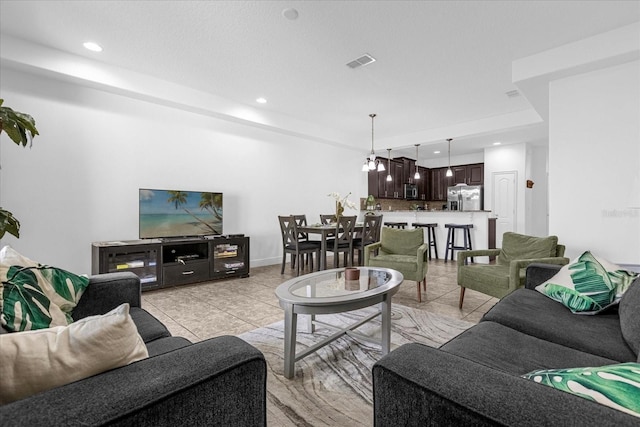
x=504 y=202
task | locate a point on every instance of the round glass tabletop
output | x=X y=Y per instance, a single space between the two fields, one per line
x=332 y=284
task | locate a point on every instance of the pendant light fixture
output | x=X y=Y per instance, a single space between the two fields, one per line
x=389 y=178
x=371 y=163
x=417 y=174
x=449 y=172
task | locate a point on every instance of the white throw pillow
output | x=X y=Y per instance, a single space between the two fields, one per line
x=35 y=361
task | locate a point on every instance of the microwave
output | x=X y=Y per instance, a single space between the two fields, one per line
x=410 y=191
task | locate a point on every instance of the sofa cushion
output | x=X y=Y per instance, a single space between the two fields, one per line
x=588 y=285
x=534 y=314
x=629 y=316
x=500 y=347
x=148 y=326
x=402 y=263
x=34 y=361
x=616 y=386
x=36 y=296
x=401 y=242
x=519 y=246
x=490 y=275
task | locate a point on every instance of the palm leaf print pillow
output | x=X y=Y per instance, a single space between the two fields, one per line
x=616 y=386
x=36 y=296
x=588 y=285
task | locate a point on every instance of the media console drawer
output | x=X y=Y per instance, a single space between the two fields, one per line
x=190 y=272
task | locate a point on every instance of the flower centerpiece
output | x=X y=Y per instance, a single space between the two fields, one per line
x=341 y=202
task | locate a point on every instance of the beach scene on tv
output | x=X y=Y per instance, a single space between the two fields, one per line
x=167 y=213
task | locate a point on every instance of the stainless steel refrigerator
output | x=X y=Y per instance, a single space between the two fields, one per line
x=464 y=197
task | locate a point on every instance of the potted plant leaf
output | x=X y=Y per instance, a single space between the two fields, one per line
x=21 y=128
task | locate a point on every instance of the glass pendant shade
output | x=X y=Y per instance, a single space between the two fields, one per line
x=417 y=174
x=389 y=178
x=449 y=172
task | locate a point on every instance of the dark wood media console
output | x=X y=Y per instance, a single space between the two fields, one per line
x=161 y=263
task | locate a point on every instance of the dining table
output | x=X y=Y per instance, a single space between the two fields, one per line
x=325 y=231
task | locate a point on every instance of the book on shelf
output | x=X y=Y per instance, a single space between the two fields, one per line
x=135 y=264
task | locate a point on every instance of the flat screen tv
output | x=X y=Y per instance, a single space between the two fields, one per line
x=172 y=213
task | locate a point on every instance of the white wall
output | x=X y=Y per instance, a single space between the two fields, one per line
x=594 y=162
x=79 y=183
x=536 y=198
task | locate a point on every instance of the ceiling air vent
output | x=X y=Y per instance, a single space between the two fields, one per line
x=365 y=59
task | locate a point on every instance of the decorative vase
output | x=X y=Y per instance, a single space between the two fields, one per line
x=351 y=273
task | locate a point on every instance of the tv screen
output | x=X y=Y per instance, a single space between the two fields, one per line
x=171 y=213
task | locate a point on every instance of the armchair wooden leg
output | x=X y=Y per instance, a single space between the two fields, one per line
x=419 y=294
x=462 y=289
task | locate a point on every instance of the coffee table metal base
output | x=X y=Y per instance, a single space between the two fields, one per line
x=291 y=312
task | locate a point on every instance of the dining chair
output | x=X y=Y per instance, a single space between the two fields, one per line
x=293 y=246
x=343 y=240
x=327 y=219
x=301 y=221
x=370 y=234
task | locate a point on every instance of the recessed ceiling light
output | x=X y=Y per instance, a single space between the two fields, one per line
x=261 y=100
x=436 y=152
x=94 y=47
x=497 y=143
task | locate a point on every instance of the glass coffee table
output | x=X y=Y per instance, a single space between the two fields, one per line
x=328 y=292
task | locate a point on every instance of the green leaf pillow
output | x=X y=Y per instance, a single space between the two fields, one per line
x=616 y=386
x=36 y=296
x=588 y=285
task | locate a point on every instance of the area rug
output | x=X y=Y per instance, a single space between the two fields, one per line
x=333 y=386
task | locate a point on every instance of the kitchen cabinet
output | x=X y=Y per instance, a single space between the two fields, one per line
x=423 y=184
x=432 y=185
x=380 y=188
x=475 y=174
x=459 y=174
x=472 y=174
x=374 y=183
x=439 y=184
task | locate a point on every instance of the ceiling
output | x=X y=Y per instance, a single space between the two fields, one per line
x=440 y=65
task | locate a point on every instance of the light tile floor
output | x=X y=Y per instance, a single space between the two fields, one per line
x=234 y=306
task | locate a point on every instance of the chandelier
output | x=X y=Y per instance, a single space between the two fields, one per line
x=371 y=163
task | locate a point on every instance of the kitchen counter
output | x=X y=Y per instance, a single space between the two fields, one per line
x=479 y=232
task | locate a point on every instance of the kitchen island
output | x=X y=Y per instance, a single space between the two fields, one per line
x=482 y=235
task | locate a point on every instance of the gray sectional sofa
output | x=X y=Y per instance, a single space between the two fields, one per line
x=475 y=379
x=217 y=382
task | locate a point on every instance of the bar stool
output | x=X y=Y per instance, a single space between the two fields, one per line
x=431 y=235
x=396 y=224
x=451 y=239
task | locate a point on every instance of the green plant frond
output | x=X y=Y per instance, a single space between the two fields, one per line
x=9 y=224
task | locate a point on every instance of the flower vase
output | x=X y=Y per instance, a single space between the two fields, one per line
x=339 y=211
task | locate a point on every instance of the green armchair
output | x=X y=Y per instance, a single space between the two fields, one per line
x=401 y=250
x=508 y=273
